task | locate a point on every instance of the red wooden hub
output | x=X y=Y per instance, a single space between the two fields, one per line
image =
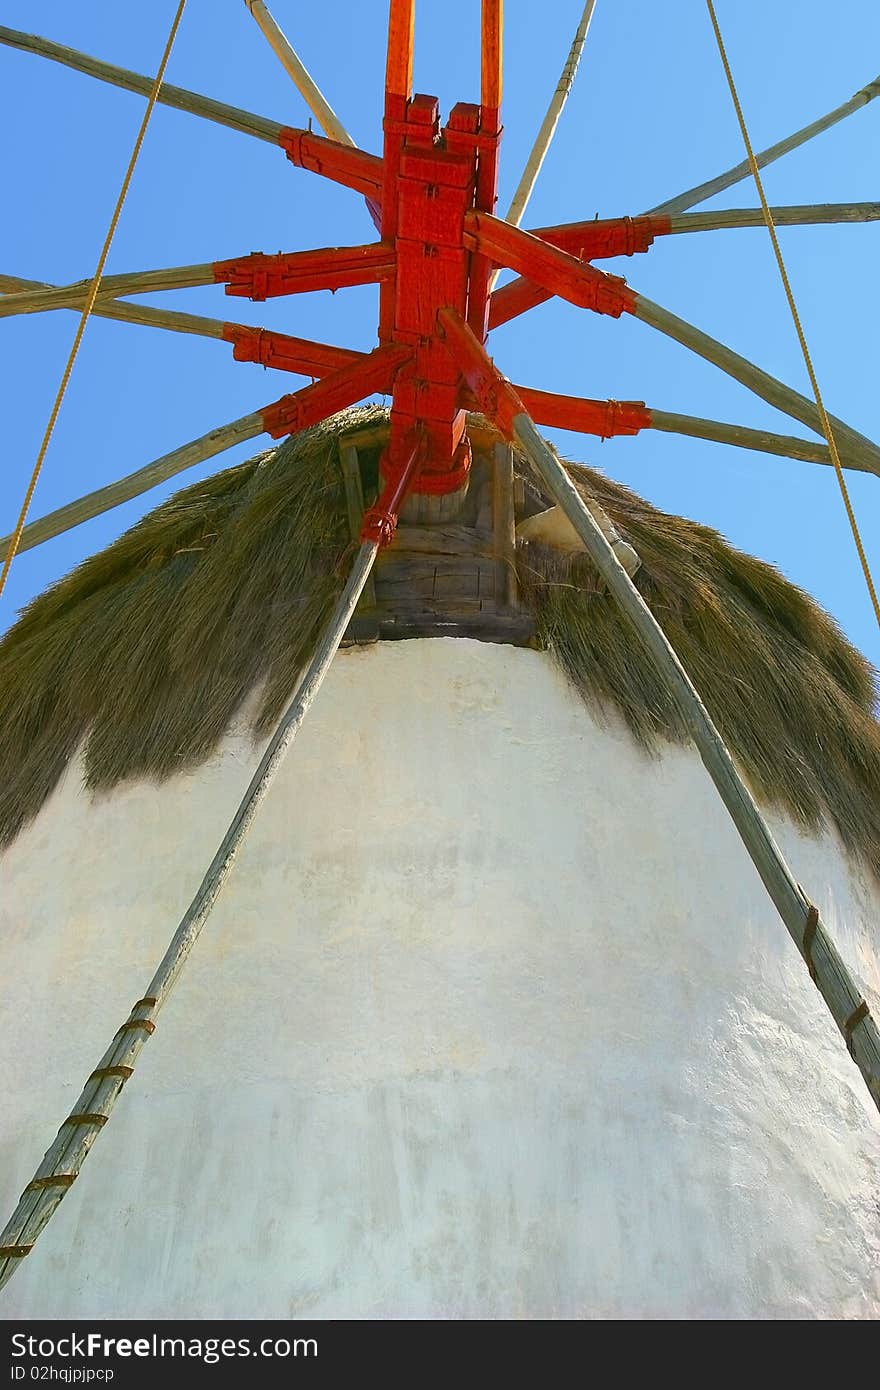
x=432 y=197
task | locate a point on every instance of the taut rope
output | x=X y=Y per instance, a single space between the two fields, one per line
x=786 y=283
x=90 y=300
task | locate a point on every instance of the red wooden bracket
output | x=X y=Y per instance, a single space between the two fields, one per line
x=602 y=418
x=501 y=401
x=433 y=194
x=345 y=387
x=619 y=236
x=261 y=276
x=343 y=164
x=495 y=395
x=555 y=270
x=287 y=354
x=380 y=520
x=614 y=236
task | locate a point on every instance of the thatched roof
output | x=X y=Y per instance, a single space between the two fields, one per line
x=144 y=653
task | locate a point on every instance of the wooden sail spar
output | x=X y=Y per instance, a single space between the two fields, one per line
x=421 y=335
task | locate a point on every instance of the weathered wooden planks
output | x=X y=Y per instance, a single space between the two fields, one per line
x=354 y=501
x=504 y=533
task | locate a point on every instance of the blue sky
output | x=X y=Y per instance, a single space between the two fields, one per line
x=650 y=116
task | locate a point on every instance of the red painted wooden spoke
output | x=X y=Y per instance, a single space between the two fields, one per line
x=433 y=192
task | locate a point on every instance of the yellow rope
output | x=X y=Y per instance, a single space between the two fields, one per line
x=90 y=300
x=768 y=218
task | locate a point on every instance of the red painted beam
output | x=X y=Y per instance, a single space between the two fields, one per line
x=287 y=354
x=380 y=520
x=262 y=277
x=401 y=36
x=343 y=164
x=501 y=401
x=345 y=387
x=435 y=186
x=515 y=299
x=496 y=397
x=602 y=418
x=618 y=236
x=492 y=26
x=555 y=270
x=614 y=236
x=398 y=86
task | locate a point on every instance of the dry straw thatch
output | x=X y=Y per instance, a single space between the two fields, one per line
x=145 y=653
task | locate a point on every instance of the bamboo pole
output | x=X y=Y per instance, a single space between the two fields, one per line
x=313 y=359
x=700 y=192
x=593 y=417
x=529 y=177
x=775 y=392
x=532 y=169
x=801 y=215
x=104 y=499
x=65 y=1156
x=828 y=970
x=568 y=234
x=762 y=441
x=522 y=293
x=171 y=319
x=179 y=97
x=180 y=277
x=310 y=92
x=504 y=526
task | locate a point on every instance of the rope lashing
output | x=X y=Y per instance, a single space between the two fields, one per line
x=796 y=319
x=90 y=299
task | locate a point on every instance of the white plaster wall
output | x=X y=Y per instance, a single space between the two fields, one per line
x=493 y=1020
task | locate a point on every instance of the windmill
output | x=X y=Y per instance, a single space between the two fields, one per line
x=457 y=431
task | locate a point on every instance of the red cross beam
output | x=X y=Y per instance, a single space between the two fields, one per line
x=433 y=192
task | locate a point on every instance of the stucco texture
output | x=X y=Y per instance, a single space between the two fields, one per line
x=492 y=1020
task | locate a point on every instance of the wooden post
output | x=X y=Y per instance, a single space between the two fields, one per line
x=504 y=527
x=66 y=1155
x=701 y=191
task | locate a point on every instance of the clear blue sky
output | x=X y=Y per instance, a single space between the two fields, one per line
x=650 y=116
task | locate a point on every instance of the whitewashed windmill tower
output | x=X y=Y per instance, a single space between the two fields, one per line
x=494 y=1016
